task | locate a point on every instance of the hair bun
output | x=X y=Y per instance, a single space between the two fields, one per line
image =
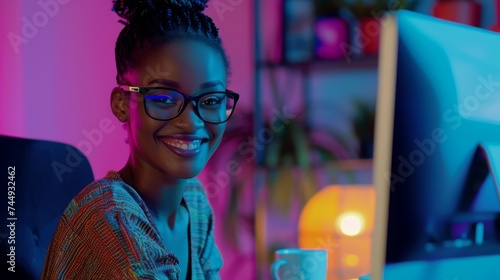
x=198 y=5
x=131 y=9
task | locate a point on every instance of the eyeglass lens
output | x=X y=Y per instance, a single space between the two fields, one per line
x=165 y=104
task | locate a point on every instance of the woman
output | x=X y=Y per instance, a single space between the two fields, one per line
x=151 y=219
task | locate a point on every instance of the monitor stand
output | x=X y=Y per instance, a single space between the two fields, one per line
x=475 y=229
x=482 y=185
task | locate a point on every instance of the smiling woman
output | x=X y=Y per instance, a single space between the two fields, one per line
x=152 y=219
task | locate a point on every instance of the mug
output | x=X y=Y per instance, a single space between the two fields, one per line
x=299 y=264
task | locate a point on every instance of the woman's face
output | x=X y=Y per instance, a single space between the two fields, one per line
x=180 y=147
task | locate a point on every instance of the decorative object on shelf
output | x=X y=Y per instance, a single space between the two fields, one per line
x=340 y=219
x=461 y=11
x=331 y=31
x=298 y=30
x=364 y=128
x=496 y=27
x=369 y=15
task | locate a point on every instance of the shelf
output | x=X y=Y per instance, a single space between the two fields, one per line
x=341 y=165
x=348 y=63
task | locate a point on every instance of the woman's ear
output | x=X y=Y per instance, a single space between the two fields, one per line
x=120 y=104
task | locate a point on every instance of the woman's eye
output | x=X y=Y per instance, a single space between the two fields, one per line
x=213 y=100
x=161 y=100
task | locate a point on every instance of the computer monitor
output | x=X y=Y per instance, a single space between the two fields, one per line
x=437 y=142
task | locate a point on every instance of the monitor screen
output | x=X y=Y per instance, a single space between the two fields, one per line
x=437 y=134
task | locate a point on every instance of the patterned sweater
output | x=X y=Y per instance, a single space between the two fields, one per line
x=107 y=232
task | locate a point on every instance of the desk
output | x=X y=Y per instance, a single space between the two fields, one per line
x=470 y=268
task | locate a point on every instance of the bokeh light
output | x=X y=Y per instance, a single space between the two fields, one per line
x=351 y=223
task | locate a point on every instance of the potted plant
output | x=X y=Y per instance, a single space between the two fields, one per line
x=295 y=151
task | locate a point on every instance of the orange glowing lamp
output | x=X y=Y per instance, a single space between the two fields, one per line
x=340 y=219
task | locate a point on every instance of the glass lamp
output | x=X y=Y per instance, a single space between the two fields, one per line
x=340 y=219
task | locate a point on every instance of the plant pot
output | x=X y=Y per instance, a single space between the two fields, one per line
x=461 y=11
x=331 y=34
x=368 y=35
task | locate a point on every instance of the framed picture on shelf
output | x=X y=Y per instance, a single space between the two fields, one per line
x=298 y=30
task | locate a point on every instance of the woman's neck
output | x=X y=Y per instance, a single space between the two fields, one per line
x=162 y=194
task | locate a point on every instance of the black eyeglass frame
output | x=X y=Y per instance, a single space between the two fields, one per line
x=187 y=100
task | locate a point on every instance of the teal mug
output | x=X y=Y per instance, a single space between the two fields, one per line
x=300 y=264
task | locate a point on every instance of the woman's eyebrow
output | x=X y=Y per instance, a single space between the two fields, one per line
x=174 y=84
x=211 y=84
x=165 y=82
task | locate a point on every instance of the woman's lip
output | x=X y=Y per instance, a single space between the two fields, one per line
x=185 y=137
x=182 y=152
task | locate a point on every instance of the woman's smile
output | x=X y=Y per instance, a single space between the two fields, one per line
x=184 y=145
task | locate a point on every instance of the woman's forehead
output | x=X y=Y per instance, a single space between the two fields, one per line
x=184 y=62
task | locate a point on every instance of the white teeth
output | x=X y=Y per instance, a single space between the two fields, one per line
x=183 y=144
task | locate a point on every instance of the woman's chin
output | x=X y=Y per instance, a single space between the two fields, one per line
x=188 y=173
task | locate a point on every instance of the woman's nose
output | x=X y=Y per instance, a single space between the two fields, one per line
x=189 y=119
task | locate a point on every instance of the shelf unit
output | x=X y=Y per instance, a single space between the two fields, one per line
x=306 y=70
x=318 y=64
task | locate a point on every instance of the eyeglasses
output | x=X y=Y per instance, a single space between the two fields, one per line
x=163 y=104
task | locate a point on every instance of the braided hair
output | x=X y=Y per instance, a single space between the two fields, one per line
x=149 y=23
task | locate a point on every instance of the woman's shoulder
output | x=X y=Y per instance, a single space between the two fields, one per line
x=196 y=195
x=194 y=185
x=108 y=194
